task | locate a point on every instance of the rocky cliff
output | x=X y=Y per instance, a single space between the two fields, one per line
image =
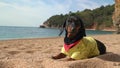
x=116 y=16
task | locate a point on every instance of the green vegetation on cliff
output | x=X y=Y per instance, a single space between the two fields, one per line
x=98 y=18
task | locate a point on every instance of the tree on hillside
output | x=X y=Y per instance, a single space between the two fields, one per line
x=99 y=17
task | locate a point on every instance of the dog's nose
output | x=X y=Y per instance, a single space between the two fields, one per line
x=69 y=30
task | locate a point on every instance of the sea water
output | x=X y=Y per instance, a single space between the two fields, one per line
x=12 y=32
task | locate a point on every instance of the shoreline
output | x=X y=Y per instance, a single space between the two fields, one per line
x=104 y=29
x=29 y=38
x=51 y=37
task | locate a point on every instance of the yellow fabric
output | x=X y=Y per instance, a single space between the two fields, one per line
x=87 y=47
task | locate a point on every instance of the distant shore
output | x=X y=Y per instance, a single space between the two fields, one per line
x=107 y=29
x=37 y=52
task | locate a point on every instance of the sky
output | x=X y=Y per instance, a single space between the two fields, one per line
x=33 y=13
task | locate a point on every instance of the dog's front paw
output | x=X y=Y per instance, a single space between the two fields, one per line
x=54 y=57
x=59 y=56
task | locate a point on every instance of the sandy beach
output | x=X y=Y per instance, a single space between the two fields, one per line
x=36 y=53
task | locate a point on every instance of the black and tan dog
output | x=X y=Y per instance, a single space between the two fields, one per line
x=76 y=45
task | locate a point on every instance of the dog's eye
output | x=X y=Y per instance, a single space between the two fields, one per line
x=69 y=21
x=71 y=26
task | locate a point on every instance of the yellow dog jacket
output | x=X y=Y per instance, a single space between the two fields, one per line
x=85 y=48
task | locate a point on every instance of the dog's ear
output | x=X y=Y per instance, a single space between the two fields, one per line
x=63 y=28
x=82 y=28
x=80 y=24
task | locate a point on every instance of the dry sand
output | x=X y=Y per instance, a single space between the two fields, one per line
x=36 y=53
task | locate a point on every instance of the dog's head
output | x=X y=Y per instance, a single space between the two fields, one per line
x=74 y=27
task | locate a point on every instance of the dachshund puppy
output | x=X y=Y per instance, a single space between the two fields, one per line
x=76 y=45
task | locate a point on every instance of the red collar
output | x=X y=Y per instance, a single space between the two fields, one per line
x=67 y=47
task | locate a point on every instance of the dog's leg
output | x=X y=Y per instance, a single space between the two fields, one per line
x=101 y=47
x=59 y=56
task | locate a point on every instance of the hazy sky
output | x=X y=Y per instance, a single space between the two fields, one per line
x=35 y=12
